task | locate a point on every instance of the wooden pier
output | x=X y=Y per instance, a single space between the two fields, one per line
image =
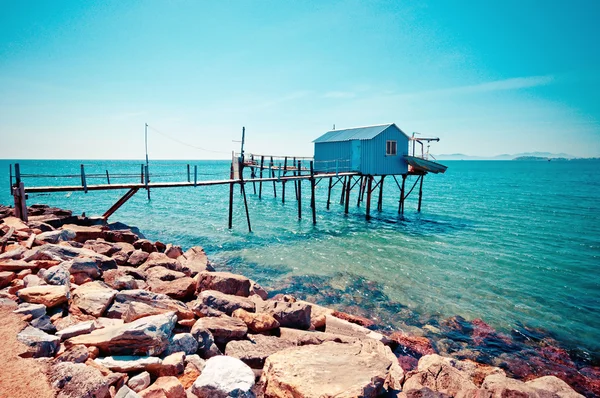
x=262 y=169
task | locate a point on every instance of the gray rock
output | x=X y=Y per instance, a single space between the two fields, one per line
x=84 y=265
x=182 y=342
x=75 y=354
x=43 y=323
x=33 y=280
x=55 y=236
x=76 y=380
x=224 y=328
x=64 y=253
x=156 y=300
x=339 y=326
x=146 y=336
x=35 y=310
x=93 y=298
x=139 y=382
x=224 y=376
x=39 y=344
x=130 y=363
x=195 y=361
x=76 y=330
x=126 y=392
x=137 y=258
x=292 y=315
x=206 y=343
x=57 y=275
x=256 y=349
x=214 y=303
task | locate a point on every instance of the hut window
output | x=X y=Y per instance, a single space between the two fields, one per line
x=390 y=148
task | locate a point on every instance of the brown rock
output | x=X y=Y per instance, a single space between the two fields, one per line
x=163 y=281
x=339 y=326
x=173 y=364
x=215 y=303
x=76 y=380
x=157 y=259
x=125 y=247
x=137 y=310
x=257 y=290
x=498 y=385
x=80 y=278
x=164 y=387
x=307 y=337
x=122 y=235
x=366 y=369
x=16 y=223
x=224 y=282
x=137 y=258
x=359 y=320
x=18 y=265
x=294 y=315
x=121 y=258
x=260 y=322
x=223 y=328
x=75 y=354
x=145 y=336
x=118 y=279
x=101 y=246
x=256 y=349
x=156 y=300
x=318 y=314
x=145 y=245
x=83 y=233
x=5 y=278
x=93 y=298
x=173 y=251
x=189 y=376
x=194 y=261
x=24 y=273
x=416 y=346
x=553 y=385
x=49 y=295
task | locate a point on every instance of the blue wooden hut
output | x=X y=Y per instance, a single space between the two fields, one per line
x=373 y=150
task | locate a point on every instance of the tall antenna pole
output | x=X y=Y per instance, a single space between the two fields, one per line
x=243 y=140
x=147 y=165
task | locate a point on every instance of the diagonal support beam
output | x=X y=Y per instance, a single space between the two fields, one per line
x=119 y=203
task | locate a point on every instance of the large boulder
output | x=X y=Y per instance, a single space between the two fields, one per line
x=156 y=300
x=259 y=323
x=119 y=279
x=76 y=380
x=101 y=246
x=182 y=342
x=223 y=377
x=306 y=337
x=553 y=384
x=130 y=363
x=58 y=275
x=256 y=349
x=336 y=325
x=194 y=261
x=224 y=282
x=86 y=266
x=157 y=259
x=48 y=295
x=366 y=369
x=64 y=253
x=165 y=386
x=294 y=315
x=75 y=354
x=172 y=283
x=137 y=258
x=139 y=382
x=224 y=328
x=35 y=310
x=76 y=330
x=39 y=344
x=207 y=347
x=5 y=278
x=83 y=233
x=215 y=303
x=145 y=336
x=135 y=310
x=93 y=298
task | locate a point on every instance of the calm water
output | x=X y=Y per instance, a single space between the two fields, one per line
x=513 y=243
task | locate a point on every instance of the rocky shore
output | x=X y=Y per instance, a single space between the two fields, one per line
x=112 y=314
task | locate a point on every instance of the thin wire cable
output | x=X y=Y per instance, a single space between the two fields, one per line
x=184 y=143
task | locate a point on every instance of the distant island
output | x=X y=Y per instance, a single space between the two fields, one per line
x=525 y=156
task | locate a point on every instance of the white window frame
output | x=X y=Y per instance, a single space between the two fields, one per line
x=388 y=148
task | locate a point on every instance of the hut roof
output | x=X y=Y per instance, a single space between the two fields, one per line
x=357 y=133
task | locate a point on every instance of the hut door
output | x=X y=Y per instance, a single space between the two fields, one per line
x=355 y=161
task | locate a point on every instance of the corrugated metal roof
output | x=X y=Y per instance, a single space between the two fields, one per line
x=358 y=133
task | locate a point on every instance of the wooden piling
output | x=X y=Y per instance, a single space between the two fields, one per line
x=243 y=185
x=230 y=223
x=312 y=193
x=401 y=205
x=295 y=182
x=380 y=200
x=283 y=182
x=273 y=176
x=348 y=188
x=188 y=172
x=369 y=191
x=343 y=194
x=19 y=196
x=11 y=176
x=195 y=175
x=299 y=190
x=253 y=173
x=262 y=162
x=83 y=179
x=147 y=182
x=142 y=174
x=361 y=188
x=329 y=192
x=107 y=178
x=420 y=193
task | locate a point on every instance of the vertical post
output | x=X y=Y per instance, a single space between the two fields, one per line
x=401 y=205
x=20 y=201
x=11 y=177
x=147 y=181
x=17 y=173
x=343 y=195
x=142 y=174
x=380 y=200
x=283 y=182
x=262 y=161
x=295 y=182
x=369 y=184
x=299 y=195
x=312 y=193
x=188 y=172
x=329 y=192
x=243 y=185
x=337 y=166
x=271 y=165
x=420 y=192
x=361 y=189
x=348 y=188
x=195 y=174
x=83 y=180
x=253 y=172
x=107 y=177
x=231 y=197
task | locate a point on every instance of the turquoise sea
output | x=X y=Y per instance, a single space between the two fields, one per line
x=514 y=243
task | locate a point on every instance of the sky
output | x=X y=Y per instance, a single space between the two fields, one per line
x=79 y=79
